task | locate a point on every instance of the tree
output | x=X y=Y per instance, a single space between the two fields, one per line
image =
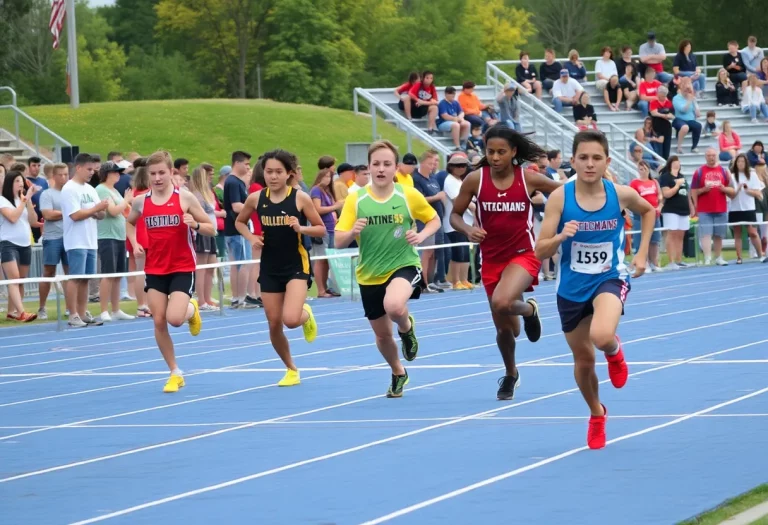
x=224 y=36
x=565 y=24
x=505 y=29
x=12 y=13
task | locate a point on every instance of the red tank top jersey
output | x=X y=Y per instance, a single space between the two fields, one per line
x=169 y=248
x=506 y=216
x=255 y=216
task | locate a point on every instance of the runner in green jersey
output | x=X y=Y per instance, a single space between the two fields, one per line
x=382 y=217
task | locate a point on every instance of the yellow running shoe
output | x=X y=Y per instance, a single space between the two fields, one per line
x=310 y=327
x=195 y=322
x=174 y=383
x=291 y=378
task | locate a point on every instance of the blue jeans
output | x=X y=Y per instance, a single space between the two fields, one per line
x=725 y=157
x=693 y=126
x=81 y=262
x=559 y=104
x=752 y=110
x=643 y=105
x=514 y=125
x=236 y=248
x=442 y=257
x=700 y=84
x=664 y=77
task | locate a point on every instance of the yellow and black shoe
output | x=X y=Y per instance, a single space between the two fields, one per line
x=175 y=382
x=398 y=382
x=195 y=322
x=409 y=345
x=310 y=326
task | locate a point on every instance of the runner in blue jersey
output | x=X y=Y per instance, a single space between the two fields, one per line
x=583 y=222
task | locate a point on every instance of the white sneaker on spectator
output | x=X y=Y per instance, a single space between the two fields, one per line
x=721 y=262
x=105 y=317
x=443 y=285
x=707 y=261
x=90 y=320
x=76 y=322
x=653 y=268
x=42 y=314
x=121 y=316
x=672 y=266
x=431 y=288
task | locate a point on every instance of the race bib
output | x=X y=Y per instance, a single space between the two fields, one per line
x=591 y=258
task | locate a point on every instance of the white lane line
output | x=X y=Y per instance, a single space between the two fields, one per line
x=397 y=437
x=538 y=464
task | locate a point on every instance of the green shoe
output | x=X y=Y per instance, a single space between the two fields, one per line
x=409 y=345
x=398 y=382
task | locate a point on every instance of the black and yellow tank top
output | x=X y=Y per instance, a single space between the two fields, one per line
x=283 y=252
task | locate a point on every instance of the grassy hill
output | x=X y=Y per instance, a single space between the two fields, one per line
x=209 y=130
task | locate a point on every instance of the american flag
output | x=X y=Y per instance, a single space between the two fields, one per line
x=58 y=10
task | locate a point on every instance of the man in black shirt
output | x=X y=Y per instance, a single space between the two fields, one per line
x=550 y=69
x=734 y=65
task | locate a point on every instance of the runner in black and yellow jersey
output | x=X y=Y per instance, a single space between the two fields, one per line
x=382 y=218
x=284 y=276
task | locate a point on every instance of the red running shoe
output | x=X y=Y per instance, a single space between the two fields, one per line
x=617 y=367
x=596 y=430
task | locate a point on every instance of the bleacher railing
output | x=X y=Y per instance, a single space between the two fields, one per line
x=28 y=132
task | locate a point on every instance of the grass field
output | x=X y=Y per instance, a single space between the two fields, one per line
x=209 y=130
x=732 y=507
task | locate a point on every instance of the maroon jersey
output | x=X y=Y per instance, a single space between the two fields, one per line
x=506 y=216
x=170 y=248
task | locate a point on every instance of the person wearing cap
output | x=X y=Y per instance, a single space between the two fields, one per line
x=405 y=170
x=450 y=118
x=346 y=178
x=565 y=92
x=653 y=55
x=362 y=177
x=111 y=242
x=458 y=270
x=509 y=109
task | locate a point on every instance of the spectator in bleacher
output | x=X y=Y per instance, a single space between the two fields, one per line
x=328 y=207
x=111 y=243
x=17 y=216
x=139 y=186
x=7 y=160
x=451 y=117
x=648 y=91
x=685 y=65
x=584 y=113
x=81 y=210
x=757 y=152
x=53 y=242
x=613 y=94
x=555 y=159
x=565 y=92
x=624 y=61
x=509 y=108
x=362 y=177
x=235 y=193
x=341 y=185
x=649 y=189
x=424 y=101
x=575 y=67
x=475 y=142
x=663 y=115
x=686 y=115
x=729 y=142
x=458 y=271
x=676 y=210
x=734 y=65
x=426 y=183
x=762 y=76
x=711 y=125
x=526 y=75
x=402 y=94
x=710 y=189
x=753 y=101
x=550 y=69
x=742 y=208
x=752 y=56
x=605 y=68
x=629 y=86
x=653 y=55
x=405 y=170
x=725 y=90
x=205 y=247
x=475 y=111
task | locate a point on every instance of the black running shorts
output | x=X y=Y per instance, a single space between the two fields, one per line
x=572 y=313
x=183 y=282
x=278 y=283
x=372 y=295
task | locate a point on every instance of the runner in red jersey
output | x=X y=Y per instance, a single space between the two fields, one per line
x=504 y=229
x=169 y=215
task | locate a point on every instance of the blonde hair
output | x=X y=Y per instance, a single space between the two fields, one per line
x=58 y=166
x=198 y=183
x=572 y=54
x=428 y=155
x=160 y=157
x=383 y=144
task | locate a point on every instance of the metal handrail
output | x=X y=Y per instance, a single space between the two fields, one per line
x=531 y=101
x=58 y=140
x=409 y=127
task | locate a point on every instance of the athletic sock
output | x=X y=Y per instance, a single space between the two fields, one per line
x=177 y=372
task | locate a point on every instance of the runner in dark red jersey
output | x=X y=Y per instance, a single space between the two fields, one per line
x=504 y=229
x=168 y=215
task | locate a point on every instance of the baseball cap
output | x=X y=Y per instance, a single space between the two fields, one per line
x=225 y=170
x=563 y=72
x=458 y=158
x=409 y=159
x=651 y=35
x=110 y=167
x=344 y=166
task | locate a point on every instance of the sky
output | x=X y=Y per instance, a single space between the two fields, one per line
x=99 y=3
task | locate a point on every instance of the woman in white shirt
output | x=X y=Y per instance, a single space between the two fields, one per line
x=753 y=100
x=605 y=68
x=742 y=208
x=17 y=216
x=458 y=271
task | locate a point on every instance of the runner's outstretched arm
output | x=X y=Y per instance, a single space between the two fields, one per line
x=629 y=198
x=549 y=240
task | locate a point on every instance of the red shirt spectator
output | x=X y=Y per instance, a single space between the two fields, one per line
x=657 y=105
x=421 y=92
x=713 y=177
x=649 y=190
x=255 y=216
x=649 y=89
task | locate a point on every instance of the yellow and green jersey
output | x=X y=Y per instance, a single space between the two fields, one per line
x=383 y=247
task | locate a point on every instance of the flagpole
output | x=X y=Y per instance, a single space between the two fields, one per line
x=74 y=97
